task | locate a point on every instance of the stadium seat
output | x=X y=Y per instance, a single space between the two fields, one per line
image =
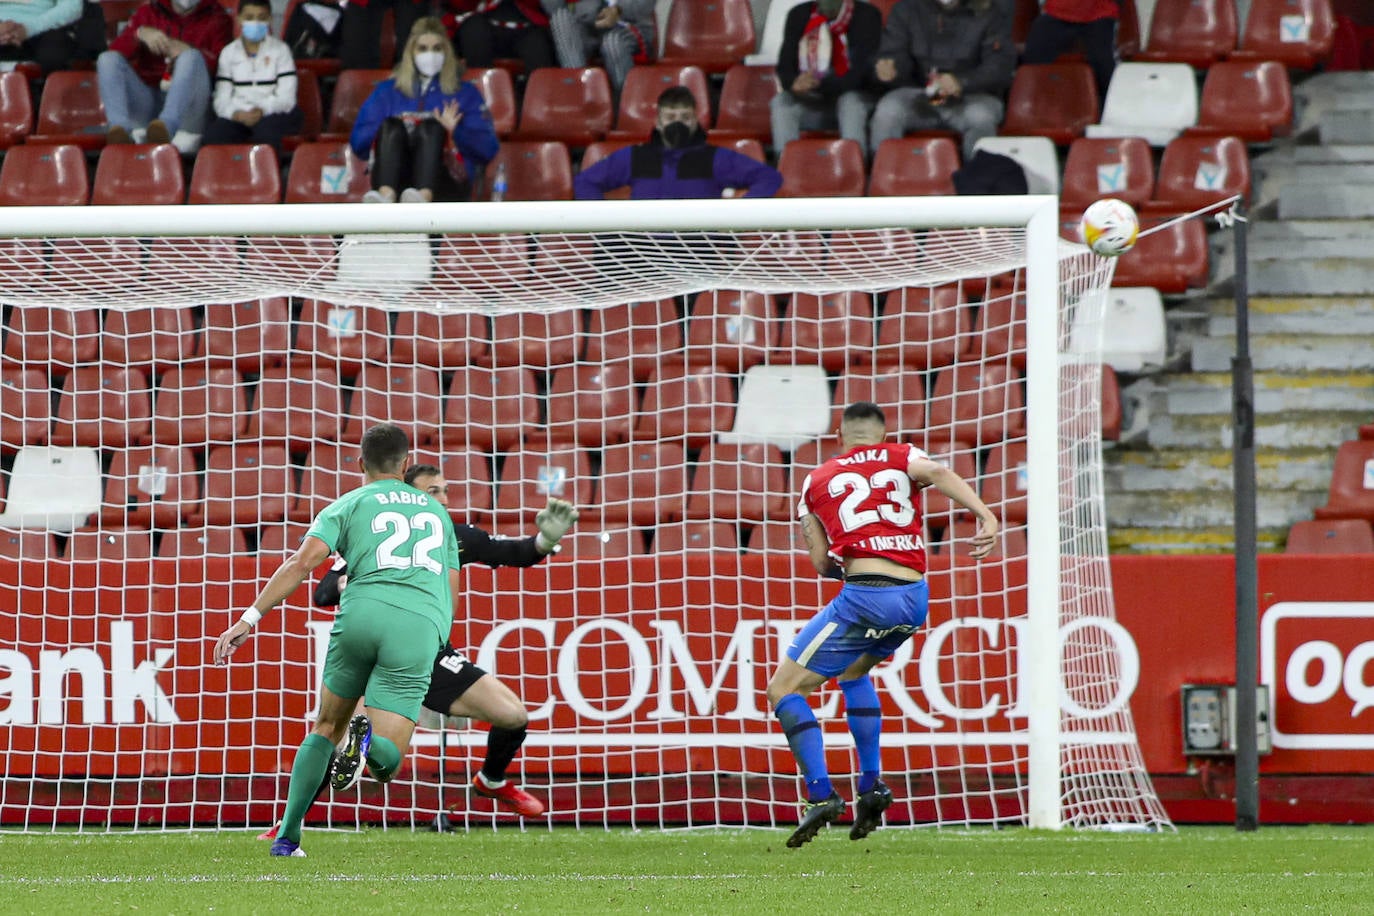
x=26 y=544
x=295 y=409
x=489 y=409
x=999 y=333
x=1154 y=101
x=573 y=106
x=731 y=328
x=599 y=150
x=198 y=407
x=464 y=263
x=281 y=540
x=138 y=174
x=638 y=110
x=535 y=170
x=16 y=109
x=979 y=403
x=235 y=174
x=1111 y=404
x=538 y=340
x=329 y=472
x=832 y=330
x=350 y=91
x=69 y=110
x=899 y=392
x=44 y=176
x=1249 y=99
x=409 y=396
x=923 y=328
x=914 y=166
x=25 y=408
x=250 y=335
x=739 y=482
x=698 y=536
x=320 y=174
x=441 y=341
x=1133 y=335
x=1173 y=260
x=52 y=339
x=714 y=36
x=103 y=406
x=782 y=405
x=311 y=104
x=770 y=32
x=686 y=405
x=1127 y=30
x=644 y=334
x=1197 y=172
x=201 y=543
x=591 y=404
x=777 y=536
x=154 y=339
x=955 y=542
x=498 y=91
x=1297 y=34
x=342 y=337
x=1194 y=32
x=593 y=546
x=1352 y=483
x=531 y=477
x=53 y=487
x=745 y=96
x=821 y=168
x=1340 y=535
x=1036 y=156
x=1097 y=167
x=151 y=487
x=116 y=14
x=1057 y=101
x=1003 y=484
x=643 y=483
x=246 y=485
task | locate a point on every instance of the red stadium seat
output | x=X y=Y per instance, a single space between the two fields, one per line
x=408 y=396
x=69 y=111
x=900 y=393
x=1097 y=167
x=731 y=328
x=250 y=335
x=777 y=536
x=956 y=541
x=980 y=403
x=199 y=407
x=531 y=477
x=695 y=537
x=311 y=104
x=59 y=338
x=235 y=174
x=538 y=340
x=1352 y=483
x=1057 y=101
x=498 y=91
x=1298 y=34
x=151 y=487
x=685 y=405
x=1173 y=260
x=26 y=544
x=567 y=105
x=1249 y=99
x=923 y=328
x=441 y=341
x=644 y=334
x=330 y=472
x=595 y=546
x=350 y=91
x=599 y=150
x=320 y=174
x=591 y=404
x=739 y=483
x=744 y=99
x=833 y=330
x=1194 y=32
x=1340 y=535
x=535 y=170
x=139 y=174
x=110 y=544
x=103 y=407
x=1197 y=172
x=342 y=337
x=643 y=483
x=745 y=146
x=294 y=409
x=714 y=36
x=465 y=262
x=246 y=485
x=16 y=109
x=1004 y=482
x=1000 y=331
x=489 y=409
x=159 y=338
x=914 y=166
x=638 y=111
x=44 y=176
x=1111 y=404
x=201 y=543
x=281 y=540
x=822 y=168
x=25 y=410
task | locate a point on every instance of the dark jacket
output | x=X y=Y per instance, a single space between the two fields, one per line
x=971 y=40
x=475 y=136
x=207 y=28
x=656 y=172
x=864 y=34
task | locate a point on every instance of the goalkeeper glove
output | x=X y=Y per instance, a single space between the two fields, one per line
x=554 y=522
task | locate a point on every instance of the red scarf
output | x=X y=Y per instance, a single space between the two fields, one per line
x=824 y=47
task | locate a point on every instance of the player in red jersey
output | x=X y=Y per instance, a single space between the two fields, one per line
x=861 y=513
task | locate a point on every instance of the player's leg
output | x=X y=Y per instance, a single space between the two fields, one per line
x=310 y=766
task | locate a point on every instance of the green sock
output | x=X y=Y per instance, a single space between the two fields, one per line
x=383 y=758
x=312 y=760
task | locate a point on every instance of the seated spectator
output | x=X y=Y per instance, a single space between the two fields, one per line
x=944 y=65
x=425 y=129
x=825 y=66
x=39 y=30
x=158 y=84
x=621 y=31
x=1091 y=24
x=255 y=91
x=360 y=29
x=677 y=162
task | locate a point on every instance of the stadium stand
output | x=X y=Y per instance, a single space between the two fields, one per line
x=922 y=328
x=154 y=340
x=44 y=175
x=654 y=335
x=498 y=91
x=1036 y=156
x=408 y=396
x=1343 y=535
x=1299 y=34
x=643 y=483
x=26 y=415
x=441 y=341
x=192 y=543
x=1196 y=172
x=713 y=36
x=833 y=330
x=1351 y=493
x=638 y=109
x=320 y=174
x=246 y=485
x=138 y=174
x=591 y=404
x=745 y=94
x=103 y=406
x=1154 y=101
x=294 y=410
x=1097 y=167
x=731 y=328
x=691 y=404
x=52 y=339
x=342 y=337
x=489 y=409
x=151 y=487
x=69 y=111
x=696 y=536
x=250 y=335
x=16 y=109
x=539 y=340
x=1057 y=101
x=816 y=167
x=235 y=174
x=1194 y=32
x=980 y=403
x=535 y=170
x=1252 y=100
x=196 y=407
x=566 y=105
x=914 y=166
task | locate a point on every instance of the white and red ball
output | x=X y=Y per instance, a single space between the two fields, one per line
x=1109 y=227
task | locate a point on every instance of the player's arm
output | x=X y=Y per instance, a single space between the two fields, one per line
x=554 y=521
x=284 y=581
x=930 y=473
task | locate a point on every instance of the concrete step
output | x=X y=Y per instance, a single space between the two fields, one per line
x=1292 y=352
x=1341 y=125
x=1274 y=509
x=1284 y=429
x=1316 y=315
x=1168 y=470
x=1325 y=200
x=1275 y=392
x=1219 y=539
x=1293 y=154
x=1322 y=276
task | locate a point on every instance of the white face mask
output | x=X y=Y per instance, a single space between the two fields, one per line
x=184 y=6
x=429 y=62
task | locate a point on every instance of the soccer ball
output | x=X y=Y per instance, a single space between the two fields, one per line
x=1109 y=227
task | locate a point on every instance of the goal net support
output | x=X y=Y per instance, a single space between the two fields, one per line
x=182 y=388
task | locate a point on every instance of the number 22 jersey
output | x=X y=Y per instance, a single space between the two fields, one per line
x=868 y=505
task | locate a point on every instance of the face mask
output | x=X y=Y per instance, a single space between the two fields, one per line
x=254 y=31
x=429 y=62
x=829 y=8
x=184 y=6
x=675 y=134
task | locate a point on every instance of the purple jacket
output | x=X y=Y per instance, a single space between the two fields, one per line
x=656 y=172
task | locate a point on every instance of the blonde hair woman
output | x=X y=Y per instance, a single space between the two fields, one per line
x=424 y=129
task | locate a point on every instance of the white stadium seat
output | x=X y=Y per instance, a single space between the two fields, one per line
x=1154 y=101
x=1036 y=155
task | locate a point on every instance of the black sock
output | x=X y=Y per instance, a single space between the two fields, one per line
x=502 y=743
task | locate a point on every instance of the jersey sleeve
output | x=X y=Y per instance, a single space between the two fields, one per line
x=327 y=526
x=803 y=509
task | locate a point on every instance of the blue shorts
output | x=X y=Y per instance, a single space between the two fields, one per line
x=862 y=620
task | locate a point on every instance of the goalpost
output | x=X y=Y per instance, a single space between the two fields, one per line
x=184 y=386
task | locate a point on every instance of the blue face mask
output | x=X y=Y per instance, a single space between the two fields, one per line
x=254 y=31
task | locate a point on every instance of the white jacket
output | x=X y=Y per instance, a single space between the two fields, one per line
x=266 y=80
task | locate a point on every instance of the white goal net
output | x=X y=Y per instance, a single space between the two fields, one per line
x=182 y=388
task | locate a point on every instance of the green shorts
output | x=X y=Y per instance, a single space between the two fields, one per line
x=385 y=654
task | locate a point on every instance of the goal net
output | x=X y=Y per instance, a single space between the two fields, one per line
x=182 y=388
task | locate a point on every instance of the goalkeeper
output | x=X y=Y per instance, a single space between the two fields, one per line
x=457 y=687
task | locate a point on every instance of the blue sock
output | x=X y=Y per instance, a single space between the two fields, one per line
x=866 y=725
x=804 y=737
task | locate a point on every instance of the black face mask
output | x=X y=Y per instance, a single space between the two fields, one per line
x=675 y=134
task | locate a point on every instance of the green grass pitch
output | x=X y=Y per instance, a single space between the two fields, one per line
x=1197 y=870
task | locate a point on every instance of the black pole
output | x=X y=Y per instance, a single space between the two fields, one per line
x=1246 y=537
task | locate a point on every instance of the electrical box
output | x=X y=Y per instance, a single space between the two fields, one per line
x=1209 y=719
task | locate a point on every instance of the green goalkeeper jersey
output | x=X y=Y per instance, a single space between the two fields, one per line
x=399 y=544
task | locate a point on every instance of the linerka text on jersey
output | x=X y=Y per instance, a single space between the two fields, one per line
x=881 y=542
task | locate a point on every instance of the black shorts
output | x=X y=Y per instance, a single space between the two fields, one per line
x=453 y=674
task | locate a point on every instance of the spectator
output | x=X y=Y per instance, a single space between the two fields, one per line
x=39 y=30
x=825 y=68
x=360 y=29
x=947 y=64
x=1091 y=24
x=488 y=29
x=255 y=91
x=156 y=76
x=425 y=129
x=677 y=162
x=621 y=31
